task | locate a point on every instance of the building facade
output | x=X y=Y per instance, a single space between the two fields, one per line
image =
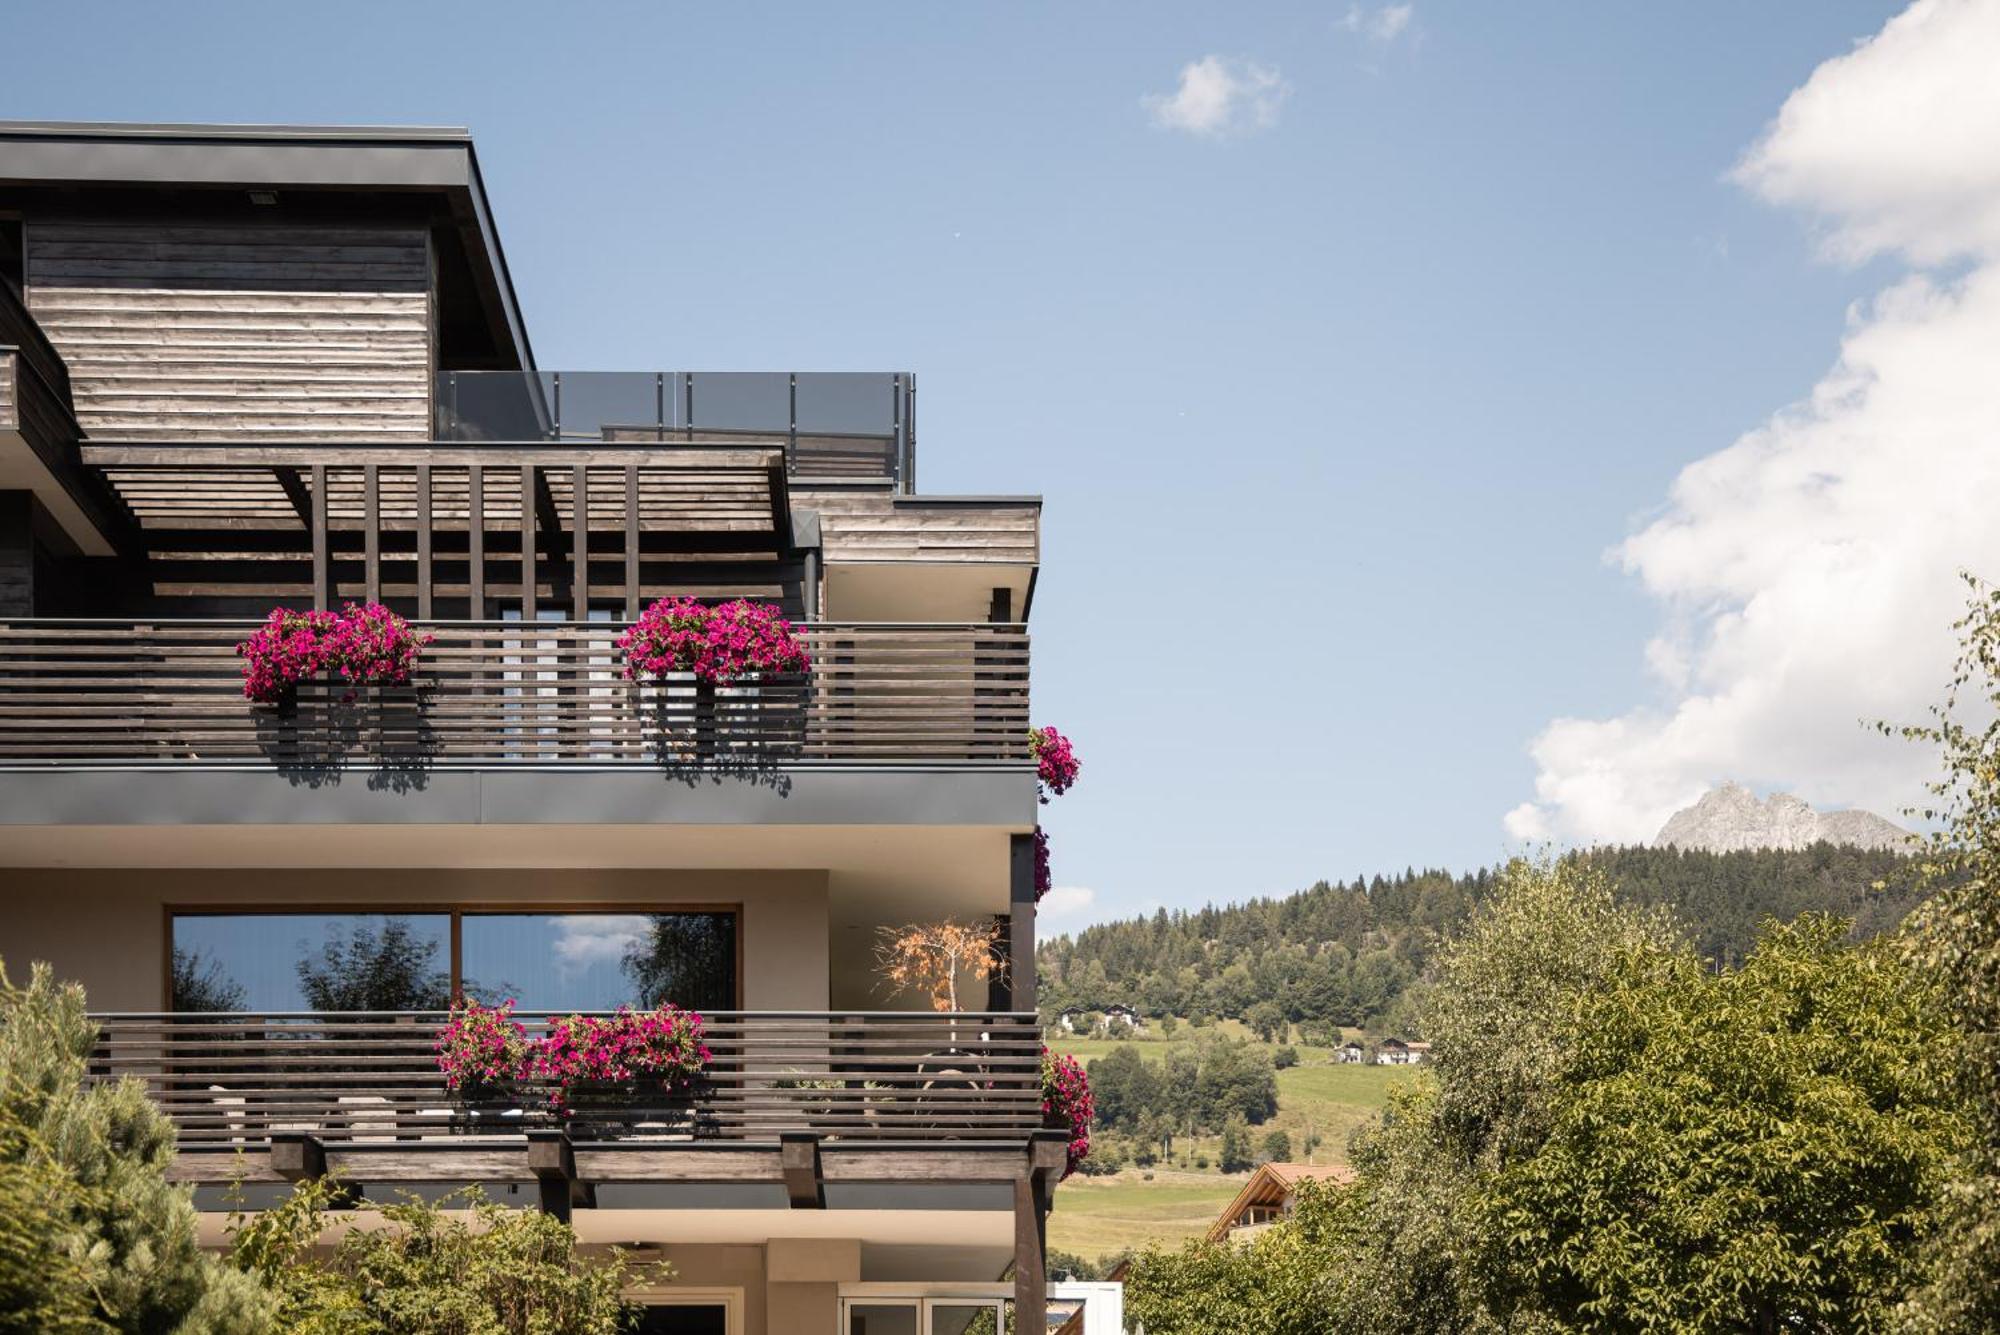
x=244 y=369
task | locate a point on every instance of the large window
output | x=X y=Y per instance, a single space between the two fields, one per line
x=419 y=961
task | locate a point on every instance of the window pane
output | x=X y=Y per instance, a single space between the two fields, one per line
x=600 y=961
x=884 y=1318
x=311 y=961
x=965 y=1319
x=684 y=1319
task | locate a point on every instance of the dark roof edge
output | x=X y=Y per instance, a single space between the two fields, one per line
x=198 y=130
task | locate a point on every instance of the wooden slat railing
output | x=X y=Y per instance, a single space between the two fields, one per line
x=78 y=693
x=235 y=1079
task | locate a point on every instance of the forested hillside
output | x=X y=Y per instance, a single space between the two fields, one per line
x=1350 y=953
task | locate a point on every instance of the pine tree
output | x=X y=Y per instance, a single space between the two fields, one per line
x=96 y=1157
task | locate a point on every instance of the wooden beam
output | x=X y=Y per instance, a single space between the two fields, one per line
x=295 y=492
x=322 y=563
x=528 y=490
x=475 y=537
x=371 y=529
x=679 y=457
x=1021 y=923
x=798 y=1159
x=631 y=542
x=425 y=576
x=1031 y=1273
x=296 y=1156
x=552 y=1159
x=579 y=543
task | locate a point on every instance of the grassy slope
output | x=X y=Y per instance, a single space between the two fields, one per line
x=1094 y=1216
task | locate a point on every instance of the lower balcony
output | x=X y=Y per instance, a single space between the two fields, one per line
x=801 y=1101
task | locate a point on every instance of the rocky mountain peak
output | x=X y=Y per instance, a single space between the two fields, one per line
x=1731 y=818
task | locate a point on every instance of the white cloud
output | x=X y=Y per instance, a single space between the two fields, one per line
x=1219 y=97
x=1384 y=24
x=1806 y=573
x=1897 y=144
x=587 y=939
x=1064 y=901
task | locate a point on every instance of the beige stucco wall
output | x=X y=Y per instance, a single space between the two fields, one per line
x=107 y=928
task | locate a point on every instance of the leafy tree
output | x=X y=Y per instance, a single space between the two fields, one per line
x=1285 y=1058
x=1235 y=1153
x=1266 y=1020
x=91 y=1161
x=1282 y=1283
x=686 y=959
x=1277 y=1148
x=1955 y=939
x=199 y=984
x=1754 y=1150
x=503 y=1272
x=389 y=968
x=1124 y=1087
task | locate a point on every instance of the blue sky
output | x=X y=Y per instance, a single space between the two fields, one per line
x=1336 y=415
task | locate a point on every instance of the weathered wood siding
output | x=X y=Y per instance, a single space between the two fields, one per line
x=9 y=411
x=182 y=332
x=871 y=526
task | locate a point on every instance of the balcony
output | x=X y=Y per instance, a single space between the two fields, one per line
x=804 y=1100
x=87 y=693
x=834 y=426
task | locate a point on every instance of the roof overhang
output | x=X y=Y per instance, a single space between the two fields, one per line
x=316 y=159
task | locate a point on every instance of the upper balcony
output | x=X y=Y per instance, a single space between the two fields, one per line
x=837 y=427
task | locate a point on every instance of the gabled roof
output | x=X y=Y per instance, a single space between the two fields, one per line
x=1274 y=1184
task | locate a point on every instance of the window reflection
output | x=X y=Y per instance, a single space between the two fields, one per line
x=600 y=961
x=311 y=961
x=378 y=961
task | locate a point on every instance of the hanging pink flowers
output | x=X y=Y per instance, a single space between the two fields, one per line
x=718 y=644
x=1056 y=765
x=1067 y=1104
x=361 y=645
x=1044 y=880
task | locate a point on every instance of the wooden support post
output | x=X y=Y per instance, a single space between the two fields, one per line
x=424 y=563
x=579 y=543
x=527 y=543
x=798 y=1159
x=1021 y=922
x=371 y=529
x=322 y=556
x=552 y=1159
x=297 y=1156
x=475 y=541
x=631 y=542
x=1031 y=1272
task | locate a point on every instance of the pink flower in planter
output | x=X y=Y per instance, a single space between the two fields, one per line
x=361 y=645
x=481 y=1046
x=718 y=644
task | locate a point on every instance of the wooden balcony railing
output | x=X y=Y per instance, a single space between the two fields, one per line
x=233 y=1081
x=78 y=693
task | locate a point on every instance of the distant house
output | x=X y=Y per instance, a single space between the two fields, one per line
x=1350 y=1054
x=1268 y=1196
x=1395 y=1052
x=1083 y=1020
